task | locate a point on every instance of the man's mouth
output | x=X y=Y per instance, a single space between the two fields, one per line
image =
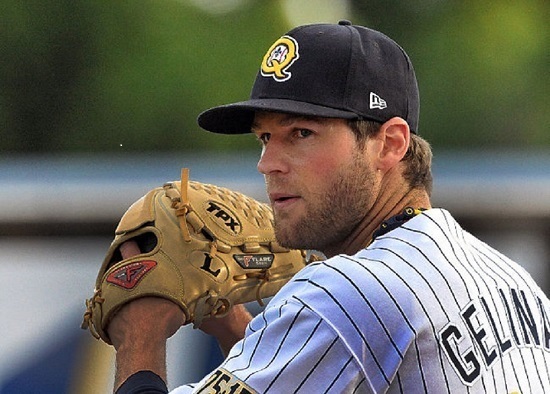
x=282 y=199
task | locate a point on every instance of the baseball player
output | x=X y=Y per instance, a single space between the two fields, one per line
x=406 y=301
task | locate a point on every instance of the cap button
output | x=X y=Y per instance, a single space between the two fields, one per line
x=345 y=22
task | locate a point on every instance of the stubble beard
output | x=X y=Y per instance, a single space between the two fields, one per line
x=331 y=217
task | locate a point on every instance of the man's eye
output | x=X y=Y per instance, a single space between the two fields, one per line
x=264 y=137
x=303 y=133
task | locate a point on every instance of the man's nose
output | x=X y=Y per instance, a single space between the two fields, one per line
x=273 y=159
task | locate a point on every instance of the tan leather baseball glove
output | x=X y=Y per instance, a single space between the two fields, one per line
x=203 y=247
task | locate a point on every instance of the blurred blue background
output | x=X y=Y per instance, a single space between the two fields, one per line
x=98 y=102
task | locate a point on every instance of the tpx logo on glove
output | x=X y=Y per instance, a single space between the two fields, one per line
x=129 y=275
x=224 y=217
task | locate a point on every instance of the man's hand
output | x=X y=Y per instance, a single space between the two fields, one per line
x=148 y=318
x=228 y=330
x=139 y=331
x=156 y=317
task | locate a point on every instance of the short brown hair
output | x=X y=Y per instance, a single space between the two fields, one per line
x=418 y=157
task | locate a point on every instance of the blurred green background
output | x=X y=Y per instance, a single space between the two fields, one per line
x=99 y=76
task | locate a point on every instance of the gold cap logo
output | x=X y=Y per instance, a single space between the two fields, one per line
x=279 y=58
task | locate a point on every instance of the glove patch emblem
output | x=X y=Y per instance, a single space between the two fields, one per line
x=223 y=217
x=129 y=275
x=254 y=261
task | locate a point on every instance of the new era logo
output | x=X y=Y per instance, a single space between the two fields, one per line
x=377 y=102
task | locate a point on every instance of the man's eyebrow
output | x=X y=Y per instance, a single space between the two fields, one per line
x=290 y=118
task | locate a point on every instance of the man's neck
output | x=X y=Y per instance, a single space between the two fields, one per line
x=382 y=210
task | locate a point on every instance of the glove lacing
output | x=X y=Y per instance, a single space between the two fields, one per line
x=180 y=202
x=87 y=321
x=219 y=306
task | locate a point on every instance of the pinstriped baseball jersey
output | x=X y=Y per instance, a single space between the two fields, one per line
x=426 y=307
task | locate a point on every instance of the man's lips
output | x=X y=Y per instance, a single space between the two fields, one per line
x=282 y=199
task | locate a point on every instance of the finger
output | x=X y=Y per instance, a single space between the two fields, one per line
x=129 y=249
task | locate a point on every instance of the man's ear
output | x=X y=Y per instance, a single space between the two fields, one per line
x=395 y=137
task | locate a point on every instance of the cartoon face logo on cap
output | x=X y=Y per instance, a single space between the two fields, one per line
x=279 y=58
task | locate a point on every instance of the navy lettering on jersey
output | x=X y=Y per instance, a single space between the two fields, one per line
x=504 y=344
x=525 y=318
x=479 y=334
x=545 y=325
x=466 y=365
x=488 y=342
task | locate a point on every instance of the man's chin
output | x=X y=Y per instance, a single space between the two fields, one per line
x=285 y=236
x=284 y=240
x=292 y=238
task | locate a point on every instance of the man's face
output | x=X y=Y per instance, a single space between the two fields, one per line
x=320 y=183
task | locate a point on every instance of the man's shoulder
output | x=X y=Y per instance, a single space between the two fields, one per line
x=392 y=264
x=342 y=279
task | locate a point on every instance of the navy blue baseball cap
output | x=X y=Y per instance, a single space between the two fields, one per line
x=327 y=70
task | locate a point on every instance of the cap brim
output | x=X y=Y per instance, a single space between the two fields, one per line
x=237 y=118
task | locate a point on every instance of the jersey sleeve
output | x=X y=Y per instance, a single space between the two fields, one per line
x=359 y=312
x=290 y=349
x=287 y=348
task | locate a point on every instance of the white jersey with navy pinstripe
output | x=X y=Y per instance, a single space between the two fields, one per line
x=426 y=308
